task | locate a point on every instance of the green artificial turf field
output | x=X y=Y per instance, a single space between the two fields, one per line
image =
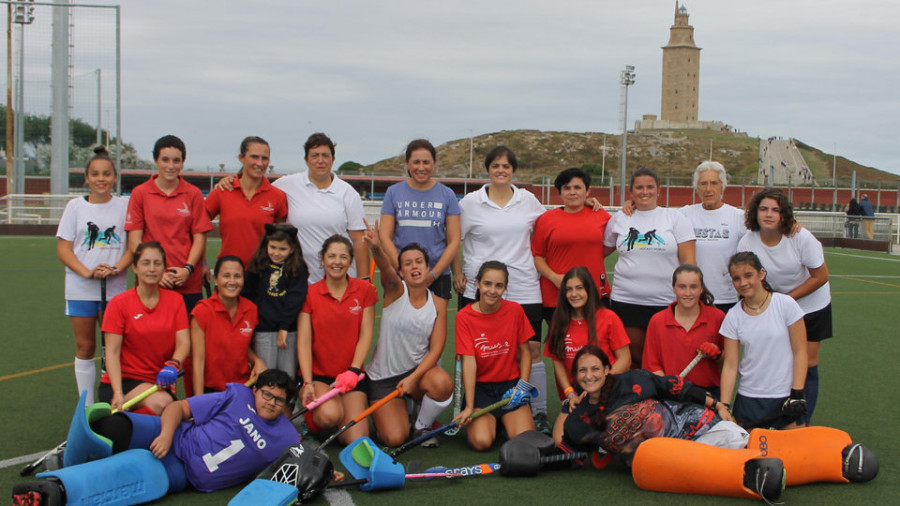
x=858 y=369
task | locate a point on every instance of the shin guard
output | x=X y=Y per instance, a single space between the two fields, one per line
x=810 y=454
x=687 y=467
x=131 y=477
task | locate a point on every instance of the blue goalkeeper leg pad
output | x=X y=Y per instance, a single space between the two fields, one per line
x=365 y=460
x=83 y=444
x=267 y=492
x=130 y=477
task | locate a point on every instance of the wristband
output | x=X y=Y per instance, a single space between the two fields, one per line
x=568 y=390
x=190 y=268
x=796 y=393
x=727 y=406
x=365 y=278
x=433 y=275
x=115 y=270
x=177 y=363
x=355 y=370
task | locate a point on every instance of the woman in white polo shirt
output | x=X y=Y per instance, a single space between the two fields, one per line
x=496 y=224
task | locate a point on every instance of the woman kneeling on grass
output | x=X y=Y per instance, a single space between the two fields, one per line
x=147 y=336
x=492 y=336
x=770 y=327
x=221 y=331
x=412 y=338
x=581 y=319
x=334 y=335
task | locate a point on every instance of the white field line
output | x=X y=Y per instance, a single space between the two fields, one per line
x=863 y=256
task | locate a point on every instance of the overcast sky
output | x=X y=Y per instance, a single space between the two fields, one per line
x=377 y=74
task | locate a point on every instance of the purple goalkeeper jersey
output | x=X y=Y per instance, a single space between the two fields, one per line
x=227 y=443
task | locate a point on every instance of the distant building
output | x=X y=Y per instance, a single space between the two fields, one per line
x=680 y=71
x=680 y=82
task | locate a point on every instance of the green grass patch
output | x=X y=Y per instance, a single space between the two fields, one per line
x=857 y=369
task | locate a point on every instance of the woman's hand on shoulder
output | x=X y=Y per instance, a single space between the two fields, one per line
x=226 y=184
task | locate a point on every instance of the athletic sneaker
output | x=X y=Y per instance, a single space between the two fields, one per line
x=542 y=424
x=431 y=442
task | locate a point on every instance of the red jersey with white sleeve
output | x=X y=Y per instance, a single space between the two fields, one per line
x=493 y=339
x=336 y=324
x=567 y=240
x=227 y=340
x=172 y=220
x=148 y=334
x=610 y=337
x=669 y=347
x=242 y=221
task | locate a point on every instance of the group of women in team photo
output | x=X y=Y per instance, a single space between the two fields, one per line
x=293 y=292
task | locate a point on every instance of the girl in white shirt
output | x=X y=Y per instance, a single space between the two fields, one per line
x=796 y=265
x=770 y=328
x=90 y=242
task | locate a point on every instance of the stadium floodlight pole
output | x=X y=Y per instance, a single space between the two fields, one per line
x=627 y=79
x=24 y=15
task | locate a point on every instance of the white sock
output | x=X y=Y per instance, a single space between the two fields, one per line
x=85 y=378
x=539 y=379
x=430 y=410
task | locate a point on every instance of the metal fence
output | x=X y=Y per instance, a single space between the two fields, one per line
x=47 y=210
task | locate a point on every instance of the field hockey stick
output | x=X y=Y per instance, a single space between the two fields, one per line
x=463 y=471
x=27 y=470
x=440 y=430
x=413 y=476
x=362 y=416
x=457 y=394
x=693 y=363
x=321 y=400
x=102 y=336
x=207 y=289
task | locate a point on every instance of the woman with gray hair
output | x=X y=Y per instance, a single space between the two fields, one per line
x=718 y=227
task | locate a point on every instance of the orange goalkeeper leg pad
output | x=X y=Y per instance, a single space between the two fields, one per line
x=687 y=467
x=815 y=454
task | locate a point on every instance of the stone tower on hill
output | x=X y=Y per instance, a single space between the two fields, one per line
x=680 y=71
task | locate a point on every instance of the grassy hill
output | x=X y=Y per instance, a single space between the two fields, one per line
x=673 y=153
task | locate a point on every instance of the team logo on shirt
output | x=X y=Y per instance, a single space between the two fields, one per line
x=247 y=329
x=490 y=350
x=138 y=316
x=635 y=238
x=267 y=208
x=636 y=389
x=184 y=210
x=93 y=238
x=711 y=234
x=357 y=307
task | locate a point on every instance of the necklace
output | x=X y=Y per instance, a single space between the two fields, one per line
x=758 y=308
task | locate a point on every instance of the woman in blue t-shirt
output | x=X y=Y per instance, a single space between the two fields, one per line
x=423 y=211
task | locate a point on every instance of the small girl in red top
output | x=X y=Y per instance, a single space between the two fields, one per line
x=221 y=329
x=581 y=319
x=334 y=335
x=691 y=323
x=492 y=336
x=276 y=282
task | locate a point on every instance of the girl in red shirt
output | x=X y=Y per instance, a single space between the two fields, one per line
x=334 y=335
x=691 y=323
x=581 y=319
x=492 y=336
x=221 y=330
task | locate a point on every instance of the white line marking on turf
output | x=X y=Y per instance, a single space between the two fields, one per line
x=338 y=498
x=862 y=256
x=21 y=460
x=867 y=276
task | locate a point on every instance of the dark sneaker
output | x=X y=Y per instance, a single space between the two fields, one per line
x=542 y=424
x=431 y=442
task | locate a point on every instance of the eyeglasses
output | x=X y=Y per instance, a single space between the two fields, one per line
x=270 y=397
